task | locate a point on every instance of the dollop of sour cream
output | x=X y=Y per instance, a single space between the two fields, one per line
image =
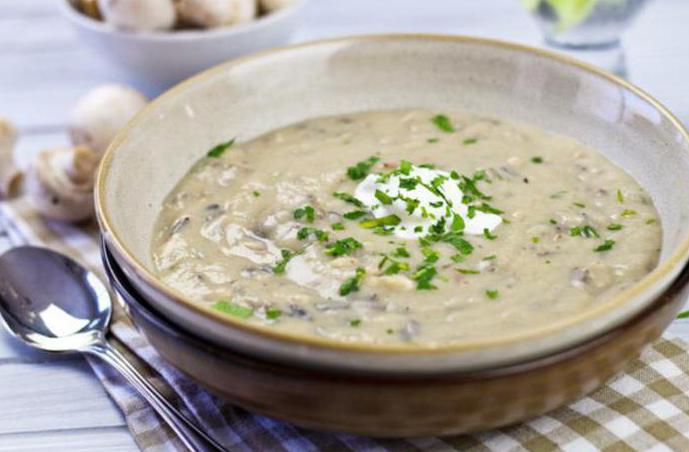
x=438 y=195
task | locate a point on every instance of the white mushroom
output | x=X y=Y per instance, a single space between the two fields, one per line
x=138 y=15
x=101 y=113
x=216 y=13
x=270 y=6
x=10 y=176
x=60 y=183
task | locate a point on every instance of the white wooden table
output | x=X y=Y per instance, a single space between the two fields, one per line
x=55 y=403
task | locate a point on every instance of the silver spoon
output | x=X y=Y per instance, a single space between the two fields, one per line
x=52 y=303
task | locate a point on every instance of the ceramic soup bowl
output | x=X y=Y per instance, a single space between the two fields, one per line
x=253 y=95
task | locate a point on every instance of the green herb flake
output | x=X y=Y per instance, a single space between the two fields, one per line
x=584 y=231
x=355 y=214
x=628 y=213
x=443 y=123
x=390 y=220
x=401 y=252
x=651 y=221
x=558 y=195
x=352 y=284
x=361 y=169
x=337 y=227
x=256 y=194
x=466 y=271
x=355 y=323
x=307 y=212
x=273 y=313
x=614 y=227
x=432 y=140
x=605 y=246
x=552 y=221
x=579 y=204
x=220 y=149
x=492 y=294
x=535 y=239
x=487 y=234
x=489 y=258
x=346 y=197
x=343 y=247
x=537 y=160
x=287 y=255
x=683 y=315
x=620 y=196
x=233 y=309
x=384 y=198
x=423 y=276
x=304 y=234
x=468 y=141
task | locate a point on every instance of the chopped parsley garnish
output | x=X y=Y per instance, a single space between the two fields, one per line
x=558 y=195
x=614 y=227
x=683 y=315
x=552 y=221
x=459 y=243
x=384 y=198
x=256 y=194
x=466 y=271
x=337 y=227
x=492 y=294
x=343 y=247
x=287 y=255
x=537 y=159
x=401 y=252
x=432 y=140
x=355 y=322
x=346 y=197
x=651 y=221
x=535 y=240
x=606 y=246
x=423 y=276
x=273 y=313
x=620 y=197
x=390 y=220
x=457 y=224
x=443 y=123
x=352 y=284
x=469 y=141
x=487 y=208
x=584 y=231
x=405 y=167
x=304 y=234
x=628 y=213
x=307 y=212
x=361 y=169
x=355 y=214
x=579 y=204
x=488 y=235
x=233 y=309
x=395 y=267
x=220 y=149
x=489 y=258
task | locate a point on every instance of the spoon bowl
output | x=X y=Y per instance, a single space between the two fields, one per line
x=52 y=303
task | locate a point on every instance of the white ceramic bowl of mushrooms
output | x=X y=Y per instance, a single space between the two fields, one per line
x=58 y=180
x=157 y=43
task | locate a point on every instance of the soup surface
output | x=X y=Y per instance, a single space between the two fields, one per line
x=405 y=227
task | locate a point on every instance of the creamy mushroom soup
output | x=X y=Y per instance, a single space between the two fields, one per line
x=408 y=226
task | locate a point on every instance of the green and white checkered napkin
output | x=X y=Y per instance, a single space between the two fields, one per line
x=646 y=408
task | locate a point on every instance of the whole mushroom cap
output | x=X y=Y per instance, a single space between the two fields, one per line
x=270 y=6
x=101 y=113
x=10 y=176
x=138 y=15
x=216 y=13
x=60 y=182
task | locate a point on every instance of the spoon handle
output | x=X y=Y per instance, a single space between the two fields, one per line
x=192 y=436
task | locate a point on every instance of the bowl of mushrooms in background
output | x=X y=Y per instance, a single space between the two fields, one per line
x=157 y=43
x=58 y=181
